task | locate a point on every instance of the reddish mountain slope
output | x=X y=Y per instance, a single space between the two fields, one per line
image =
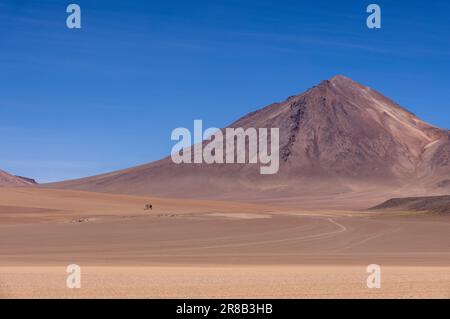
x=12 y=181
x=338 y=137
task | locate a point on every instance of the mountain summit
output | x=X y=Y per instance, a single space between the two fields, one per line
x=339 y=136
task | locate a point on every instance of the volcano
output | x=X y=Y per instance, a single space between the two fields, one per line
x=339 y=137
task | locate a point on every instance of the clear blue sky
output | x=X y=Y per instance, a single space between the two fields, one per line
x=80 y=102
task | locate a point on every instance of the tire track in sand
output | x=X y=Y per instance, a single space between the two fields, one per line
x=341 y=229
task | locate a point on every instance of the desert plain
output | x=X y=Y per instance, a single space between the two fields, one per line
x=361 y=181
x=211 y=249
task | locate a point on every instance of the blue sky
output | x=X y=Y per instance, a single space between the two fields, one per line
x=75 y=103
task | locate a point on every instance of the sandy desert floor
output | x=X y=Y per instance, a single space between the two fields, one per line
x=188 y=249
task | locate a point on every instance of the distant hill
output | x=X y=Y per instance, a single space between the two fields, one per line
x=432 y=204
x=7 y=179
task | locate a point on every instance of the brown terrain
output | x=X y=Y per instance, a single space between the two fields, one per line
x=197 y=248
x=7 y=179
x=430 y=204
x=225 y=231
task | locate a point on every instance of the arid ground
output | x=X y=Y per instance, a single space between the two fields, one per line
x=193 y=248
